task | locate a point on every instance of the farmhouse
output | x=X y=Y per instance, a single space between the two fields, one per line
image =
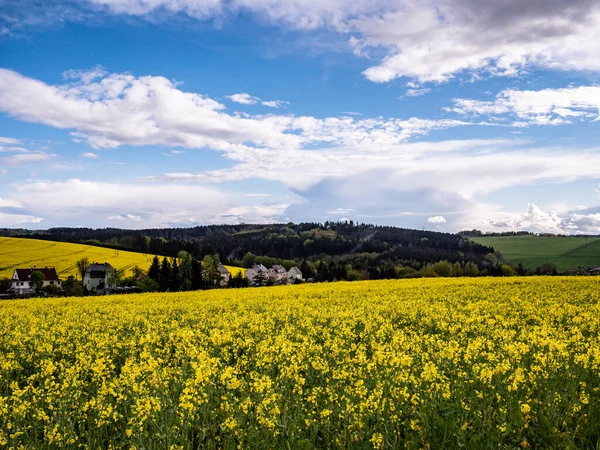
x=21 y=279
x=256 y=272
x=294 y=275
x=225 y=275
x=99 y=277
x=278 y=274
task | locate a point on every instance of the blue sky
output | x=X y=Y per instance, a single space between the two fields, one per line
x=443 y=114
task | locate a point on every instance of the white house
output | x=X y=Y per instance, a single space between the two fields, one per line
x=99 y=277
x=252 y=273
x=225 y=275
x=21 y=279
x=294 y=275
x=278 y=274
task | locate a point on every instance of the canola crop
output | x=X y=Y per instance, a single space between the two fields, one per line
x=430 y=363
x=24 y=252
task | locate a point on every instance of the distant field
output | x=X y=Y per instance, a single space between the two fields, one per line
x=531 y=251
x=22 y=253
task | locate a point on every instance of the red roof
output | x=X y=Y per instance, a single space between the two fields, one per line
x=48 y=272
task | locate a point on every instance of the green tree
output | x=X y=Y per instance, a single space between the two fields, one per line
x=210 y=270
x=196 y=280
x=174 y=282
x=260 y=279
x=5 y=285
x=471 y=270
x=154 y=270
x=71 y=287
x=164 y=277
x=547 y=268
x=248 y=260
x=508 y=271
x=37 y=281
x=443 y=269
x=148 y=285
x=185 y=270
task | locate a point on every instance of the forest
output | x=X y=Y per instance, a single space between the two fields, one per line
x=349 y=250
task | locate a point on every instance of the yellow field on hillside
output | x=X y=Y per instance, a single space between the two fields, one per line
x=24 y=253
x=430 y=363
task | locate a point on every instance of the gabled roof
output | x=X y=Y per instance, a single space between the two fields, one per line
x=96 y=267
x=260 y=268
x=48 y=272
x=295 y=271
x=279 y=268
x=222 y=269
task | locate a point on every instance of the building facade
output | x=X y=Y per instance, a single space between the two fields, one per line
x=21 y=279
x=99 y=277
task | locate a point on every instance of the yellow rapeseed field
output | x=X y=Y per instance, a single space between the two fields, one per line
x=23 y=253
x=423 y=364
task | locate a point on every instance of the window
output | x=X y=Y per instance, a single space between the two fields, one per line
x=51 y=282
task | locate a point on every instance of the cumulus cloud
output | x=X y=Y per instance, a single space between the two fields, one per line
x=542 y=107
x=431 y=40
x=247 y=99
x=124 y=110
x=90 y=155
x=244 y=99
x=535 y=219
x=436 y=220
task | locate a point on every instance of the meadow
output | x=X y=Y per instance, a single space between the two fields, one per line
x=566 y=252
x=23 y=253
x=483 y=363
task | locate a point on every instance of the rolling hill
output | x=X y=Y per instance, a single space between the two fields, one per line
x=22 y=252
x=566 y=252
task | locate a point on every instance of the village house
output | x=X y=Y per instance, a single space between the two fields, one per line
x=252 y=273
x=278 y=274
x=225 y=275
x=21 y=279
x=99 y=277
x=294 y=275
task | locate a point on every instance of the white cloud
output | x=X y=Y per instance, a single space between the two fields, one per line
x=274 y=103
x=244 y=99
x=416 y=92
x=125 y=110
x=432 y=40
x=9 y=141
x=133 y=217
x=543 y=107
x=537 y=220
x=18 y=220
x=90 y=155
x=91 y=203
x=85 y=76
x=25 y=158
x=436 y=220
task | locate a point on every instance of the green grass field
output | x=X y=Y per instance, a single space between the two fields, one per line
x=24 y=253
x=532 y=251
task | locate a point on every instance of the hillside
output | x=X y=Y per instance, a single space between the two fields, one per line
x=565 y=251
x=374 y=251
x=23 y=252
